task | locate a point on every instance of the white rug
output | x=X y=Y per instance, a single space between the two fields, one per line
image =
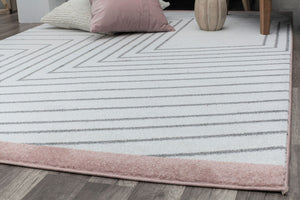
x=216 y=96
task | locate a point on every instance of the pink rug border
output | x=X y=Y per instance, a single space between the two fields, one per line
x=145 y=168
x=202 y=173
x=288 y=145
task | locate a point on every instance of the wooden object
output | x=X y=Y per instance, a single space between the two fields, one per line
x=4 y=10
x=10 y=6
x=246 y=5
x=210 y=14
x=265 y=16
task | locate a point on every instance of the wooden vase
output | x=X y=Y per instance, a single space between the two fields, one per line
x=210 y=14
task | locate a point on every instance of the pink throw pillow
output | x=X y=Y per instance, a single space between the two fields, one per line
x=128 y=16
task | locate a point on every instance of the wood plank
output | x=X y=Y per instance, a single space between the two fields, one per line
x=103 y=180
x=16 y=29
x=106 y=188
x=8 y=174
x=294 y=181
x=196 y=193
x=99 y=191
x=147 y=191
x=4 y=11
x=274 y=196
x=22 y=183
x=9 y=26
x=127 y=183
x=5 y=3
x=58 y=187
x=247 y=195
x=9 y=19
x=223 y=194
x=246 y=5
x=295 y=137
x=296 y=57
x=172 y=192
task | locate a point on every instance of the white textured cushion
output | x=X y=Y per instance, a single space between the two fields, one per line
x=75 y=14
x=164 y=4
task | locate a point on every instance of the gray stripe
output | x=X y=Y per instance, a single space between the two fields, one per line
x=177 y=73
x=144 y=107
x=145 y=118
x=288 y=38
x=220 y=49
x=45 y=46
x=265 y=40
x=107 y=41
x=138 y=44
x=124 y=89
x=11 y=68
x=141 y=127
x=12 y=55
x=123 y=46
x=204 y=48
x=162 y=138
x=112 y=45
x=197 y=58
x=170 y=68
x=220 y=152
x=143 y=97
x=79 y=42
x=111 y=65
x=277 y=35
x=272 y=53
x=185 y=73
x=176 y=32
x=152 y=80
x=258 y=46
x=158 y=47
x=68 y=41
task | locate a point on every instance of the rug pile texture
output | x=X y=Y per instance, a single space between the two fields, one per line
x=186 y=107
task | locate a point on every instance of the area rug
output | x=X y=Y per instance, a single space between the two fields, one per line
x=187 y=107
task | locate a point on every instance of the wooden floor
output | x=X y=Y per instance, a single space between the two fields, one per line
x=32 y=184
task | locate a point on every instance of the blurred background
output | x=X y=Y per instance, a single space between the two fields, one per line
x=189 y=4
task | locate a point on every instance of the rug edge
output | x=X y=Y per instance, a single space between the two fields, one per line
x=143 y=168
x=288 y=146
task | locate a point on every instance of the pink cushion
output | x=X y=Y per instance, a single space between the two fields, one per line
x=128 y=16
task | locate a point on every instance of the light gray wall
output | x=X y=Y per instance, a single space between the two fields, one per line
x=289 y=5
x=55 y=3
x=31 y=11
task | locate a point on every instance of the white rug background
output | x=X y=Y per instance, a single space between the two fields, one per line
x=221 y=96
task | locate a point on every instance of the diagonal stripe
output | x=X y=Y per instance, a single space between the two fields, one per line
x=143 y=107
x=145 y=118
x=160 y=139
x=222 y=152
x=145 y=97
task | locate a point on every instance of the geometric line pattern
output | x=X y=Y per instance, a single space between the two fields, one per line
x=220 y=96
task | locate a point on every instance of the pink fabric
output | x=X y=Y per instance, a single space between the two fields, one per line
x=290 y=123
x=144 y=168
x=128 y=16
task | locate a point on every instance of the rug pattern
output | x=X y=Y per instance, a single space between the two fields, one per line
x=156 y=94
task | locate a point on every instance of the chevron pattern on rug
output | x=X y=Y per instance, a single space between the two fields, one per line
x=218 y=96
